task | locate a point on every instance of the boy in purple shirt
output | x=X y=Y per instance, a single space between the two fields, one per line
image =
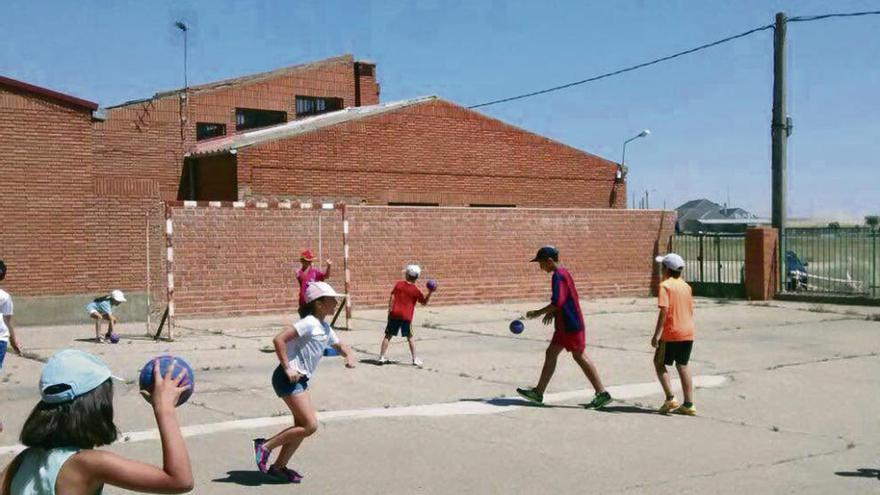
x=569 y=332
x=308 y=274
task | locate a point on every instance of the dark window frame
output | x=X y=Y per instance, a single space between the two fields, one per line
x=202 y=134
x=305 y=106
x=258 y=117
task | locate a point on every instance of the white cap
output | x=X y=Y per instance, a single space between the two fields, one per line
x=117 y=296
x=672 y=261
x=413 y=270
x=317 y=290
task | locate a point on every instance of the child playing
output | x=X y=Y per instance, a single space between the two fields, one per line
x=569 y=333
x=401 y=306
x=7 y=331
x=674 y=334
x=74 y=416
x=299 y=349
x=308 y=274
x=101 y=308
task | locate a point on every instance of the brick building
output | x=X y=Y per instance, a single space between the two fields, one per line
x=84 y=191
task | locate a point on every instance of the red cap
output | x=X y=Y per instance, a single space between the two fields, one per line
x=307 y=255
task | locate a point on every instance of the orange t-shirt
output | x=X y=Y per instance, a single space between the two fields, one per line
x=675 y=296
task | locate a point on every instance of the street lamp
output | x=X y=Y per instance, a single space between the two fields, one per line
x=180 y=25
x=621 y=170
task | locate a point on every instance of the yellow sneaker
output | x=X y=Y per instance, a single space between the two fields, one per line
x=686 y=411
x=668 y=406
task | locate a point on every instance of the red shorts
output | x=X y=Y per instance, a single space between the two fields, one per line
x=571 y=341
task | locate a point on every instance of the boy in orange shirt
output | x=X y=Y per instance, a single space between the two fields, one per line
x=674 y=335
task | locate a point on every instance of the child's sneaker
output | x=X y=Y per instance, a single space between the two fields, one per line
x=599 y=400
x=261 y=455
x=417 y=362
x=668 y=406
x=686 y=410
x=531 y=394
x=382 y=360
x=286 y=473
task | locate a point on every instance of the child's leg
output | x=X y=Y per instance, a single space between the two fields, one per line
x=110 y=324
x=687 y=385
x=97 y=318
x=550 y=357
x=663 y=376
x=304 y=424
x=412 y=347
x=384 y=347
x=589 y=369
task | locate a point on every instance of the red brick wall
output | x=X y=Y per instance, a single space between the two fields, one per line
x=147 y=140
x=45 y=180
x=433 y=152
x=243 y=260
x=762 y=263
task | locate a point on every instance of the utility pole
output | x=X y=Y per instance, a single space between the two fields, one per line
x=780 y=129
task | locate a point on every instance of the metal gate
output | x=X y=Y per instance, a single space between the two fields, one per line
x=714 y=263
x=832 y=262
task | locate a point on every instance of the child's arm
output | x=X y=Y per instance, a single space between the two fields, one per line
x=327 y=270
x=280 y=341
x=345 y=351
x=8 y=473
x=13 y=340
x=391 y=301
x=102 y=467
x=548 y=310
x=661 y=317
x=424 y=299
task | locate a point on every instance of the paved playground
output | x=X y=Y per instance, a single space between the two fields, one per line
x=788 y=403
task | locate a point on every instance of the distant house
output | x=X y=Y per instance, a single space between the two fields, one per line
x=702 y=215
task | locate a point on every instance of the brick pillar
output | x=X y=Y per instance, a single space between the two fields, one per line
x=762 y=263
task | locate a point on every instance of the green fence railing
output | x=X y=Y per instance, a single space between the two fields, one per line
x=714 y=262
x=836 y=261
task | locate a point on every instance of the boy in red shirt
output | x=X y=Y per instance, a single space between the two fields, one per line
x=569 y=333
x=674 y=334
x=401 y=306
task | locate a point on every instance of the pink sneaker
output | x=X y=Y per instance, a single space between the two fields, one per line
x=286 y=473
x=261 y=455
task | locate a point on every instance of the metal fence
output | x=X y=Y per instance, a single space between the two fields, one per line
x=832 y=261
x=714 y=263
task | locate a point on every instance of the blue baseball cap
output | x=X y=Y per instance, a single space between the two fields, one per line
x=80 y=371
x=546 y=253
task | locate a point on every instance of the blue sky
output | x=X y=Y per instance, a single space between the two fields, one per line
x=708 y=112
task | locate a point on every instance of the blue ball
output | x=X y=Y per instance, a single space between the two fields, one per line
x=146 y=377
x=517 y=327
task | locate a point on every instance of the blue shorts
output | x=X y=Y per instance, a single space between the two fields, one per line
x=395 y=326
x=3 y=345
x=284 y=387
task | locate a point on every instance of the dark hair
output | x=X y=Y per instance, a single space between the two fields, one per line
x=674 y=273
x=84 y=422
x=309 y=307
x=2 y=270
x=101 y=299
x=410 y=278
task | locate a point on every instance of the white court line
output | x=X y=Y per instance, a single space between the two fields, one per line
x=460 y=408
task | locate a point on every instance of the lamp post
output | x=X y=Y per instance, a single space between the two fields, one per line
x=180 y=25
x=621 y=170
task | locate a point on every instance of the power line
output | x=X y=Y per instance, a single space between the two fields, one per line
x=627 y=69
x=808 y=18
x=674 y=55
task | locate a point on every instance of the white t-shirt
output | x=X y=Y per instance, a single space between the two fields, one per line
x=5 y=309
x=306 y=350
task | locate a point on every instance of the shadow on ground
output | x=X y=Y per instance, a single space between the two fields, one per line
x=250 y=478
x=860 y=473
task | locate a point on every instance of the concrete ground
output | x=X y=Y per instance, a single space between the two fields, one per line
x=789 y=404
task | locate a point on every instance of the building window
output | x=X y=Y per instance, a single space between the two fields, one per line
x=249 y=118
x=207 y=130
x=313 y=105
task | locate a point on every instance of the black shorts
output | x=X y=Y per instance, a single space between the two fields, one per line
x=674 y=352
x=398 y=326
